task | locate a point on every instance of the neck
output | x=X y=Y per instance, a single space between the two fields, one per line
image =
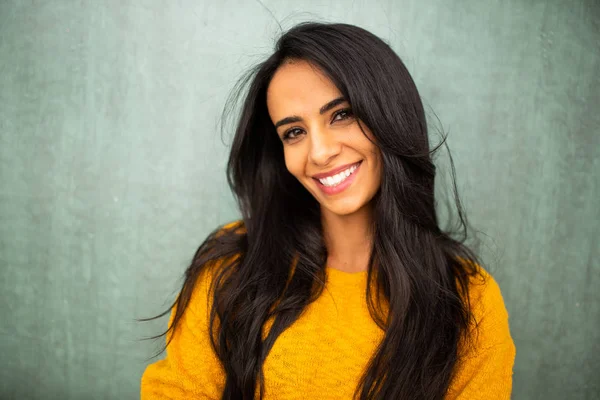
x=348 y=239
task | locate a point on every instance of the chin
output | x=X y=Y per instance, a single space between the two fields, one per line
x=342 y=208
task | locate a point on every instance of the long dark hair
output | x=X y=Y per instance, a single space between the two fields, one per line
x=419 y=270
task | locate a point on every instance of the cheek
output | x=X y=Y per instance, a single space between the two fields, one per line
x=377 y=156
x=378 y=163
x=374 y=155
x=293 y=163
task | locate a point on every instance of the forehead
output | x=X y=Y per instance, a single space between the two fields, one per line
x=298 y=87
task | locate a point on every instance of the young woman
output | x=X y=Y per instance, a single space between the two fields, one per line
x=338 y=282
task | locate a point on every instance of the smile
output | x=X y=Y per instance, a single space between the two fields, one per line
x=334 y=180
x=338 y=182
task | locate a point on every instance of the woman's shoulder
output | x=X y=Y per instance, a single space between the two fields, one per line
x=228 y=229
x=487 y=352
x=208 y=272
x=236 y=226
x=485 y=296
x=489 y=325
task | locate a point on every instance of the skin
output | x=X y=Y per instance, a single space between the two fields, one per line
x=319 y=143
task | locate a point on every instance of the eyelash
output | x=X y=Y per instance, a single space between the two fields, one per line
x=347 y=111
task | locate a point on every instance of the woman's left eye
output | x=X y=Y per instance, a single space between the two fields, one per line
x=345 y=113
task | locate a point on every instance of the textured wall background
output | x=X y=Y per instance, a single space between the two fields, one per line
x=112 y=168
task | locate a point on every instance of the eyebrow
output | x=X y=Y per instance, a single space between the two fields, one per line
x=322 y=110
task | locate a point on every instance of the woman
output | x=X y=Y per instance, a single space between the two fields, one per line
x=338 y=282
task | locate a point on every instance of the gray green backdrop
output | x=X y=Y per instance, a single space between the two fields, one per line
x=112 y=168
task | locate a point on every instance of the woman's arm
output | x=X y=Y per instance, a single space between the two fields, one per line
x=191 y=369
x=485 y=370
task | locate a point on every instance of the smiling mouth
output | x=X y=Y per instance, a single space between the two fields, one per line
x=340 y=177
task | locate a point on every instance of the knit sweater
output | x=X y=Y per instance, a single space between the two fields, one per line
x=323 y=354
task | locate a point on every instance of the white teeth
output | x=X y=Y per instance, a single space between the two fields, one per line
x=339 y=177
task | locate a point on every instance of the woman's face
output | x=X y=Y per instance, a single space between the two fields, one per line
x=324 y=147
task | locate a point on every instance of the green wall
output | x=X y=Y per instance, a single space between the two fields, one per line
x=112 y=169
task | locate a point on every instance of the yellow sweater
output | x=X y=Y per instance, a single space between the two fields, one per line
x=323 y=354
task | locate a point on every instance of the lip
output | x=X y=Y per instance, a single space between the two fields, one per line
x=328 y=190
x=335 y=171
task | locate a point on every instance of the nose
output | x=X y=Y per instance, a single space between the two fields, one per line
x=324 y=147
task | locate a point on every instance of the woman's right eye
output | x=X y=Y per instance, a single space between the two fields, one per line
x=291 y=134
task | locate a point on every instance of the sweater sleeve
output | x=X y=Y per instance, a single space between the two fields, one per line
x=191 y=369
x=485 y=368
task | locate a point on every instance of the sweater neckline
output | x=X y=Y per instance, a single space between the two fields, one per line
x=339 y=276
x=339 y=271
